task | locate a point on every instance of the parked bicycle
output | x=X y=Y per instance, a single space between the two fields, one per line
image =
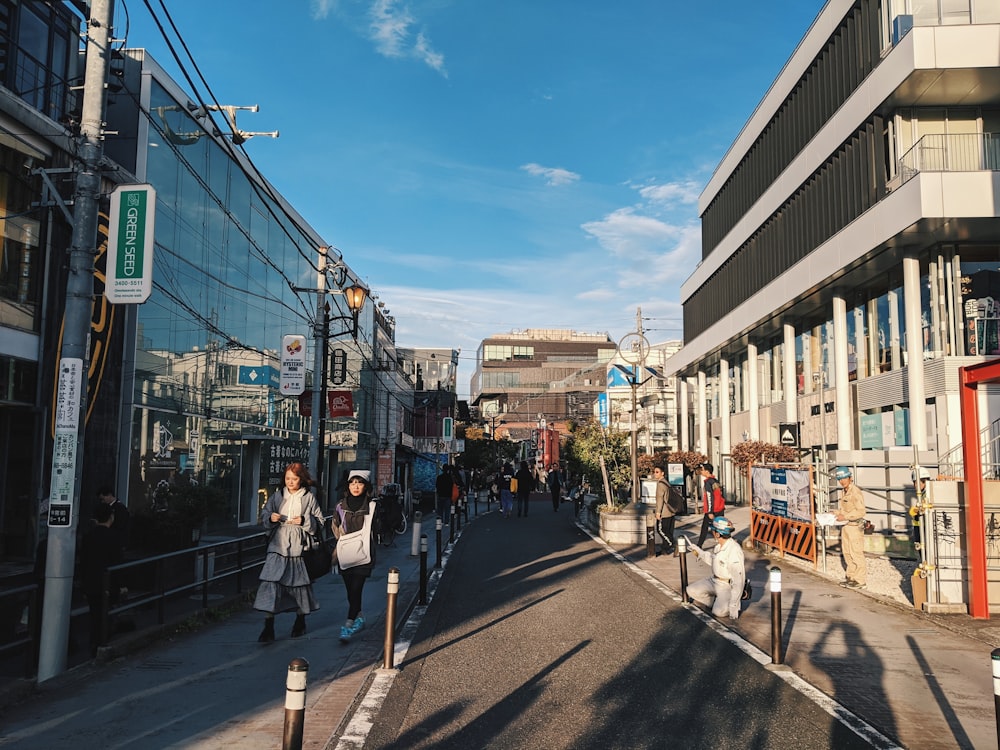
x=391 y=518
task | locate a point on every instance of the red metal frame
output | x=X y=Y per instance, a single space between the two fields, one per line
x=969 y=378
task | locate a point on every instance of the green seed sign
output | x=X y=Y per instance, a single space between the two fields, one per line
x=130 y=244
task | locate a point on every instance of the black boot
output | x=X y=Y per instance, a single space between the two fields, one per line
x=267 y=634
x=300 y=626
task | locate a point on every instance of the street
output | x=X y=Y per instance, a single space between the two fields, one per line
x=536 y=637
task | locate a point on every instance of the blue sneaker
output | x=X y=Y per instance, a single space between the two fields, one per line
x=359 y=622
x=345 y=633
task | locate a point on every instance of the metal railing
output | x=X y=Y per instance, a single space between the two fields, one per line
x=961 y=152
x=150 y=591
x=952 y=463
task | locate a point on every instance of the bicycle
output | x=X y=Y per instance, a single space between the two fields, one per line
x=391 y=519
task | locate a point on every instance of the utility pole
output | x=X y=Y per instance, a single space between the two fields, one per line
x=319 y=371
x=72 y=384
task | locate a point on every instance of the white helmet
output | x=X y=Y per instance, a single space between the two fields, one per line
x=924 y=474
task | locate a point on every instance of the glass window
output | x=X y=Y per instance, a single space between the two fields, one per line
x=981 y=301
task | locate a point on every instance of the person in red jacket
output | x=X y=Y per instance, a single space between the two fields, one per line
x=712 y=501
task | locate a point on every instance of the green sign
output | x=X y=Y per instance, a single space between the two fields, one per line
x=130 y=244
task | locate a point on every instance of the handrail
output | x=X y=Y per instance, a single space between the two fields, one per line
x=952 y=463
x=956 y=152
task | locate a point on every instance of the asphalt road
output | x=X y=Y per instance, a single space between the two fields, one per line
x=536 y=637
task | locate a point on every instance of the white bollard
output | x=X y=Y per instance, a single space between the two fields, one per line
x=415 y=542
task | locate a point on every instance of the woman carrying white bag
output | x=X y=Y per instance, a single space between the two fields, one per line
x=353 y=525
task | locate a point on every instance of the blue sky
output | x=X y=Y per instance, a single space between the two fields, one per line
x=490 y=166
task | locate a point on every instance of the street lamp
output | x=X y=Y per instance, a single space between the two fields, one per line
x=355 y=296
x=819 y=381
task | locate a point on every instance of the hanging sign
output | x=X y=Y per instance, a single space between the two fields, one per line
x=130 y=244
x=293 y=365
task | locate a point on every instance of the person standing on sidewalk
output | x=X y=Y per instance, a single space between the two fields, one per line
x=713 y=502
x=349 y=516
x=98 y=551
x=851 y=509
x=722 y=591
x=120 y=526
x=293 y=518
x=665 y=514
x=525 y=484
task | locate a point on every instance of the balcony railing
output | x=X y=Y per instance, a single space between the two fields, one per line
x=964 y=152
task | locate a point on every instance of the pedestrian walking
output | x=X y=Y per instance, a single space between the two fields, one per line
x=444 y=486
x=294 y=520
x=525 y=483
x=713 y=502
x=666 y=510
x=722 y=591
x=555 y=486
x=506 y=494
x=349 y=516
x=851 y=510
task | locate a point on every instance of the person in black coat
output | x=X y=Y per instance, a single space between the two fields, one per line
x=525 y=483
x=98 y=551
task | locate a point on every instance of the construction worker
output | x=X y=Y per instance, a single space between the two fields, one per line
x=851 y=509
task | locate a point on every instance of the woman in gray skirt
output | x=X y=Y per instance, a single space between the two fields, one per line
x=294 y=519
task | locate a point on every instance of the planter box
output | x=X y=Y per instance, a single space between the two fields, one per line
x=625 y=527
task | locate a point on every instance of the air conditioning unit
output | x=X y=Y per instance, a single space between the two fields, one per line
x=901 y=26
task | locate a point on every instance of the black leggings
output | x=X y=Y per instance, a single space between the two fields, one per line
x=355 y=584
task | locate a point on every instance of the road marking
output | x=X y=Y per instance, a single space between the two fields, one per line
x=839 y=712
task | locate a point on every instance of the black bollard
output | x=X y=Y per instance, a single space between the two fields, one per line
x=775 y=583
x=440 y=525
x=457 y=513
x=295 y=704
x=451 y=529
x=682 y=552
x=423 y=570
x=392 y=592
x=650 y=536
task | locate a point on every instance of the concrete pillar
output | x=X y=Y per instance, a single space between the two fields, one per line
x=790 y=378
x=842 y=391
x=682 y=410
x=701 y=415
x=725 y=411
x=914 y=352
x=753 y=397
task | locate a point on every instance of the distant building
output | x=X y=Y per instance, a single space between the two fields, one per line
x=554 y=373
x=656 y=400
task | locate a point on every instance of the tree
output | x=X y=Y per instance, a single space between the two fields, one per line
x=588 y=442
x=483 y=454
x=757 y=451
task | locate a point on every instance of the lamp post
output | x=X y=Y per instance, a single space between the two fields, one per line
x=355 y=297
x=633 y=348
x=819 y=380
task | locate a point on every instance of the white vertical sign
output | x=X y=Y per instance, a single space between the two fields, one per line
x=67 y=422
x=293 y=365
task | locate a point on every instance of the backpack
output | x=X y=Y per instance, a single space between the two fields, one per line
x=513 y=484
x=718 y=499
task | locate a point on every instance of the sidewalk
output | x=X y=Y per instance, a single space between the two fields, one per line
x=190 y=687
x=923 y=679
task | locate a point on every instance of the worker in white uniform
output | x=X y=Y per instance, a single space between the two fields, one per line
x=722 y=590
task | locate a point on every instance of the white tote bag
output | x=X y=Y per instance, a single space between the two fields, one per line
x=355 y=549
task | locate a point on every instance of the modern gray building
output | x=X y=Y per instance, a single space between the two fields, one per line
x=851 y=242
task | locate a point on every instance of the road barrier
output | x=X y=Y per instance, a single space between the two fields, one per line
x=776 y=646
x=392 y=592
x=439 y=526
x=295 y=704
x=415 y=542
x=682 y=551
x=423 y=570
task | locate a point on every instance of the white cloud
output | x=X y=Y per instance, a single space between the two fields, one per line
x=685 y=192
x=322 y=8
x=553 y=175
x=391 y=29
